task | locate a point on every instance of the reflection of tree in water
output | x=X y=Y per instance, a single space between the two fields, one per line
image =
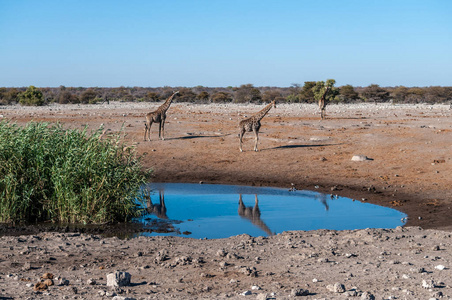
x=253 y=214
x=157 y=209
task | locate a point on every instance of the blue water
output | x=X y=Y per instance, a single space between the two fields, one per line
x=216 y=211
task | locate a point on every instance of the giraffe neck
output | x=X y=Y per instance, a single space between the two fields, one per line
x=164 y=107
x=264 y=111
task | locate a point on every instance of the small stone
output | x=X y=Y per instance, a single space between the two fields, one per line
x=428 y=284
x=367 y=296
x=48 y=282
x=360 y=158
x=336 y=288
x=63 y=281
x=263 y=296
x=122 y=298
x=27 y=266
x=47 y=276
x=118 y=279
x=299 y=292
x=223 y=264
x=417 y=270
x=246 y=293
x=438 y=294
x=440 y=267
x=91 y=281
x=221 y=253
x=40 y=286
x=255 y=287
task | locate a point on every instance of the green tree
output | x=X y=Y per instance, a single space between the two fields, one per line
x=186 y=95
x=347 y=93
x=203 y=96
x=152 y=97
x=88 y=96
x=32 y=96
x=320 y=87
x=271 y=95
x=306 y=94
x=375 y=93
x=399 y=94
x=11 y=96
x=221 y=97
x=2 y=95
x=247 y=93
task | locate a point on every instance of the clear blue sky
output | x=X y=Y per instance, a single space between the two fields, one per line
x=216 y=43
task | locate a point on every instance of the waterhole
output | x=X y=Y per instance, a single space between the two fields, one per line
x=220 y=211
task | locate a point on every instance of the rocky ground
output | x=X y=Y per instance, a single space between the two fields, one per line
x=408 y=147
x=402 y=263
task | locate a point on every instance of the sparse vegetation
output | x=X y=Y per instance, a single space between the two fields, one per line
x=246 y=93
x=48 y=173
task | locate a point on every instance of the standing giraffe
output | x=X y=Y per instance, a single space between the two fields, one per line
x=323 y=103
x=253 y=123
x=158 y=116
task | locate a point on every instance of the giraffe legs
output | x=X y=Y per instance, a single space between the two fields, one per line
x=162 y=126
x=256 y=134
x=242 y=132
x=147 y=131
x=160 y=130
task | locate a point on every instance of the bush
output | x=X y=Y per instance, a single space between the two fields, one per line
x=32 y=97
x=49 y=173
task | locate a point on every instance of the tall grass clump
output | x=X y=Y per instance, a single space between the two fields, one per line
x=48 y=173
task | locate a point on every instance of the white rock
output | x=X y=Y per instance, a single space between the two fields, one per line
x=118 y=279
x=360 y=158
x=440 y=267
x=336 y=288
x=428 y=284
x=246 y=293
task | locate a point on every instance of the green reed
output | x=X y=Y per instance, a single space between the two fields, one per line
x=48 y=173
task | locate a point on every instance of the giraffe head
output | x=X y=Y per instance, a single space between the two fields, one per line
x=274 y=103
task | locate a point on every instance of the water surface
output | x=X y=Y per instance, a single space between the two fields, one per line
x=220 y=211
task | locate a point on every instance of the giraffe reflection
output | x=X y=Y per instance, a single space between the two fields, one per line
x=322 y=198
x=157 y=209
x=253 y=214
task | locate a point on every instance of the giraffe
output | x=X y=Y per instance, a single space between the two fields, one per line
x=158 y=116
x=323 y=102
x=157 y=209
x=253 y=123
x=253 y=214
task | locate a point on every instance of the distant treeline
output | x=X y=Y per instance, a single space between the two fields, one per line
x=246 y=93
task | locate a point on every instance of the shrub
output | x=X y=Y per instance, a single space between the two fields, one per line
x=49 y=173
x=32 y=96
